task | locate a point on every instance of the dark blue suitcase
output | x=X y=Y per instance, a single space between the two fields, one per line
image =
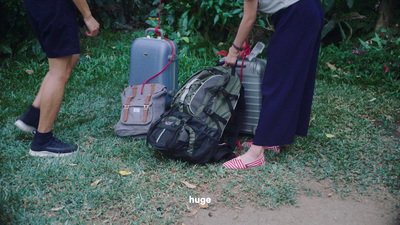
x=148 y=57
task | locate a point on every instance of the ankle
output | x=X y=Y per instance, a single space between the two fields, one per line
x=42 y=138
x=256 y=151
x=34 y=108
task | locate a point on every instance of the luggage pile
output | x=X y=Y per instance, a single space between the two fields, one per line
x=153 y=60
x=200 y=122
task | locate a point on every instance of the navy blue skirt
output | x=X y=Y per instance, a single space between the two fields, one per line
x=54 y=23
x=288 y=85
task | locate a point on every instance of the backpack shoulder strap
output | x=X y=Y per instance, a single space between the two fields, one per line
x=147 y=102
x=223 y=152
x=128 y=102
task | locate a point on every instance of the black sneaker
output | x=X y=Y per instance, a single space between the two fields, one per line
x=54 y=147
x=29 y=120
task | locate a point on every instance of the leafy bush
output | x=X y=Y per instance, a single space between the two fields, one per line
x=209 y=23
x=347 y=18
x=19 y=39
x=207 y=17
x=15 y=29
x=372 y=62
x=121 y=14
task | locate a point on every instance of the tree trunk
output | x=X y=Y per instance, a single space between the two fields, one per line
x=386 y=11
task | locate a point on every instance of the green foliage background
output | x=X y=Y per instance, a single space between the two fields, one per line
x=203 y=25
x=198 y=23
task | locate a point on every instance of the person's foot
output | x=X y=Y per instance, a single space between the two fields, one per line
x=252 y=158
x=237 y=163
x=29 y=120
x=53 y=147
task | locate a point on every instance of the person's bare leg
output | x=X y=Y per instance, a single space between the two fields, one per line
x=52 y=91
x=29 y=121
x=50 y=98
x=74 y=61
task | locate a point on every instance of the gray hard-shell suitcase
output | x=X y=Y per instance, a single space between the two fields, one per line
x=148 y=57
x=252 y=76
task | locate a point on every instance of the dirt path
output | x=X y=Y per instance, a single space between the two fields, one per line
x=308 y=211
x=327 y=209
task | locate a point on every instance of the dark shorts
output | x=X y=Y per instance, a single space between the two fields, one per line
x=55 y=25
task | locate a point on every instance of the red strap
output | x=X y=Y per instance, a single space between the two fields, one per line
x=244 y=53
x=173 y=48
x=159 y=18
x=223 y=53
x=240 y=149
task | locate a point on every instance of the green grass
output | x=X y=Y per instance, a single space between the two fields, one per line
x=363 y=157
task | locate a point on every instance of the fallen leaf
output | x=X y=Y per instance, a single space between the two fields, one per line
x=330 y=194
x=203 y=206
x=95 y=183
x=330 y=135
x=193 y=213
x=29 y=71
x=113 y=47
x=332 y=67
x=57 y=209
x=187 y=184
x=124 y=173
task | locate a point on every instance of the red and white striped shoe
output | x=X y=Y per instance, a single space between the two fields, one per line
x=237 y=163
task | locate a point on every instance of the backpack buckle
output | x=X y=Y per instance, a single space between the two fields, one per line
x=208 y=111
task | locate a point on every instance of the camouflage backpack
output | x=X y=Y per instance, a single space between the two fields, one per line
x=194 y=126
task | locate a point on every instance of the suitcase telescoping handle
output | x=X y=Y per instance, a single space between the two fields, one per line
x=154 y=30
x=222 y=62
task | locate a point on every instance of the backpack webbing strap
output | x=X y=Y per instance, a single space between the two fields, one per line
x=147 y=102
x=128 y=102
x=233 y=127
x=223 y=152
x=228 y=97
x=185 y=93
x=135 y=87
x=215 y=117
